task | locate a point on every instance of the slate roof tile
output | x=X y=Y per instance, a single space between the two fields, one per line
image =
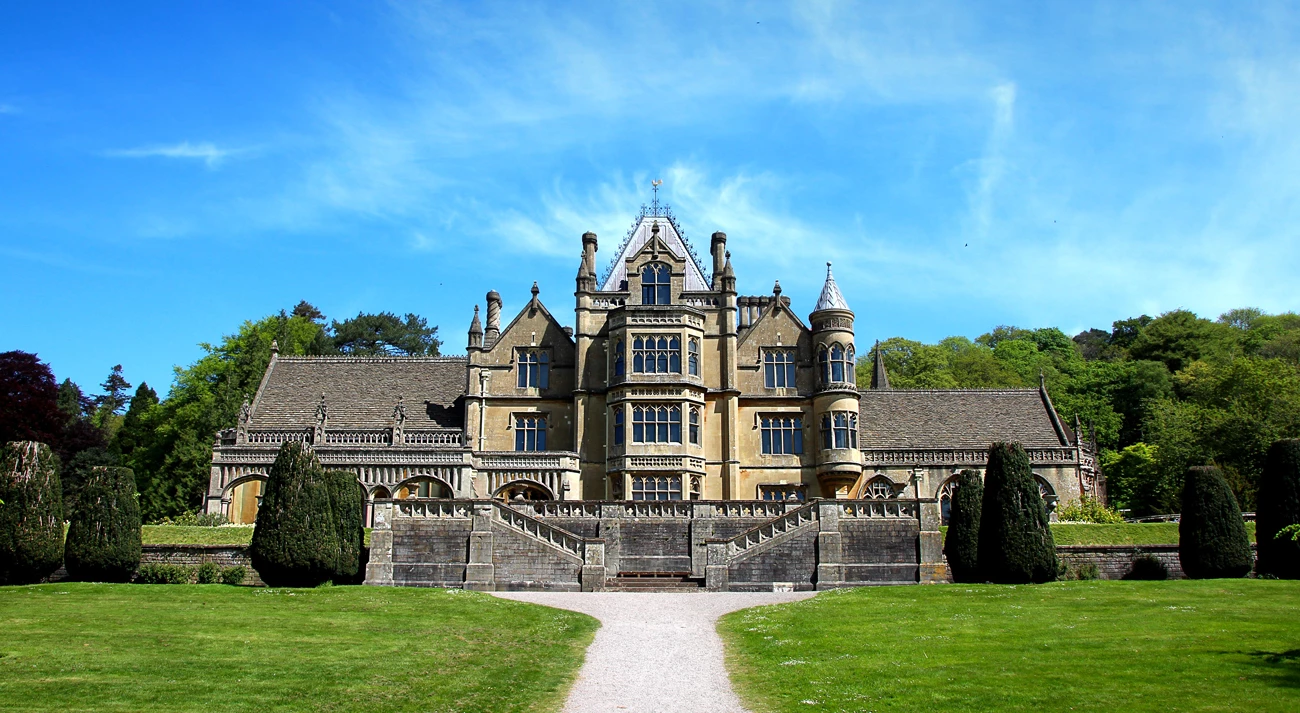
x=955 y=418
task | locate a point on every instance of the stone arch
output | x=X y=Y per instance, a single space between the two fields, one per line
x=879 y=487
x=380 y=493
x=423 y=486
x=944 y=495
x=523 y=490
x=1046 y=492
x=242 y=497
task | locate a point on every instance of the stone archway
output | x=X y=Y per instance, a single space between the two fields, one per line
x=523 y=490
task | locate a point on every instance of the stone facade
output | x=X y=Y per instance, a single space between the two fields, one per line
x=671 y=385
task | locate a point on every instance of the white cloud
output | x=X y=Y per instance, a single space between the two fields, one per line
x=207 y=152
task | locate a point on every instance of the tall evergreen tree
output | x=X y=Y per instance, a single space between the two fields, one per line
x=104 y=532
x=28 y=400
x=1212 y=539
x=296 y=539
x=1279 y=506
x=962 y=543
x=348 y=505
x=31 y=516
x=1015 y=541
x=137 y=430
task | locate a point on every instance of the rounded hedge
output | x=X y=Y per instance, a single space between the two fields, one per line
x=1279 y=506
x=1015 y=540
x=296 y=541
x=104 y=532
x=348 y=503
x=1212 y=539
x=31 y=518
x=961 y=545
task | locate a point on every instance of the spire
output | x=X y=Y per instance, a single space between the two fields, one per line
x=879 y=377
x=475 y=330
x=831 y=297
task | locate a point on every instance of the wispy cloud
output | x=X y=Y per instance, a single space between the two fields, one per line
x=210 y=154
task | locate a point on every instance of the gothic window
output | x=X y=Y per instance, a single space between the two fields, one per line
x=781 y=492
x=840 y=430
x=836 y=364
x=657 y=355
x=1046 y=493
x=693 y=357
x=778 y=368
x=534 y=369
x=530 y=433
x=945 y=499
x=695 y=426
x=879 y=488
x=656 y=424
x=782 y=435
x=618 y=425
x=656 y=487
x=656 y=284
x=619 y=363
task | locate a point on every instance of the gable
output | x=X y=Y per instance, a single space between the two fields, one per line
x=672 y=241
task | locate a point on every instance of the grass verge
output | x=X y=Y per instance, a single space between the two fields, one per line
x=1212 y=645
x=1129 y=533
x=103 y=647
x=187 y=535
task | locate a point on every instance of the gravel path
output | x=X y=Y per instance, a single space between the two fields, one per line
x=654 y=653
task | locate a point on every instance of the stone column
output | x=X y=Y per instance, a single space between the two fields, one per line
x=611 y=514
x=593 y=566
x=934 y=568
x=379 y=570
x=715 y=571
x=701 y=532
x=479 y=572
x=830 y=563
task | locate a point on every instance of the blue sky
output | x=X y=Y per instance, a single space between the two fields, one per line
x=168 y=170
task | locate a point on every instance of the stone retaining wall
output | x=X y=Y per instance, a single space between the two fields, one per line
x=1116 y=561
x=191 y=556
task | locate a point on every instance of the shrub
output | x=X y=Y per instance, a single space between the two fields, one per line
x=194 y=519
x=207 y=573
x=1279 y=507
x=296 y=542
x=104 y=533
x=1147 y=566
x=347 y=503
x=1212 y=539
x=156 y=573
x=234 y=575
x=961 y=546
x=1087 y=509
x=1086 y=572
x=1015 y=541
x=31 y=518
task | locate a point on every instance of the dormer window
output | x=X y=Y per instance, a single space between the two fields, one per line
x=534 y=369
x=656 y=284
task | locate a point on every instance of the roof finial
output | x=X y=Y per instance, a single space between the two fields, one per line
x=776 y=289
x=275 y=346
x=654 y=205
x=535 y=290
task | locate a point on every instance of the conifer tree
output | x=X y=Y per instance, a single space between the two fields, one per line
x=104 y=532
x=31 y=516
x=961 y=546
x=1212 y=539
x=1279 y=506
x=1015 y=541
x=347 y=503
x=296 y=539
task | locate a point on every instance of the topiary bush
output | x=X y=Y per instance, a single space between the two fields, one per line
x=348 y=504
x=1015 y=541
x=104 y=531
x=1212 y=539
x=1279 y=507
x=296 y=538
x=31 y=516
x=961 y=546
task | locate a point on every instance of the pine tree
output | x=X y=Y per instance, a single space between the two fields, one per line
x=1015 y=541
x=31 y=516
x=1279 y=506
x=296 y=539
x=104 y=532
x=961 y=546
x=1212 y=539
x=347 y=503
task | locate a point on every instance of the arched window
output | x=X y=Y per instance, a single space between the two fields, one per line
x=837 y=364
x=824 y=364
x=674 y=356
x=534 y=369
x=945 y=499
x=827 y=438
x=778 y=368
x=618 y=425
x=880 y=488
x=693 y=357
x=695 y=426
x=657 y=355
x=530 y=433
x=656 y=284
x=840 y=430
x=1045 y=492
x=781 y=434
x=619 y=364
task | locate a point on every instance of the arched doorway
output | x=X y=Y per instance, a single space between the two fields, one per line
x=245 y=498
x=523 y=490
x=379 y=493
x=423 y=488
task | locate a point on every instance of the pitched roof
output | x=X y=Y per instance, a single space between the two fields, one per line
x=637 y=239
x=956 y=418
x=360 y=392
x=831 y=297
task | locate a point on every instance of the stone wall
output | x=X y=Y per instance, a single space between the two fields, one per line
x=191 y=556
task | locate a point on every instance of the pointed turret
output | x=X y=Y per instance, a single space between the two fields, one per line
x=879 y=377
x=831 y=298
x=475 y=331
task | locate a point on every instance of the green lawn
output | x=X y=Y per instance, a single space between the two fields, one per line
x=1215 y=645
x=102 y=647
x=1145 y=533
x=186 y=535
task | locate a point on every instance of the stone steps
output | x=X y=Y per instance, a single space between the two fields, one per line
x=656 y=582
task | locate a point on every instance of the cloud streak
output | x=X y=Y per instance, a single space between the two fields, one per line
x=211 y=155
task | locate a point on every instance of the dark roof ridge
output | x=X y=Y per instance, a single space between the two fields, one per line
x=390 y=359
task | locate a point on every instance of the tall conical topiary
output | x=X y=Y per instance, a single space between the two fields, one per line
x=295 y=540
x=104 y=531
x=963 y=541
x=1015 y=541
x=31 y=516
x=1279 y=506
x=1212 y=539
x=348 y=503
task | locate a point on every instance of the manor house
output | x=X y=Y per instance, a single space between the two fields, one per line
x=671 y=385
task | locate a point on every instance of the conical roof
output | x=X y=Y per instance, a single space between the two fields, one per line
x=831 y=297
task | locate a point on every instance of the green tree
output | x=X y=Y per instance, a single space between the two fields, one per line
x=1279 y=508
x=29 y=403
x=348 y=505
x=1212 y=539
x=104 y=533
x=31 y=518
x=1177 y=339
x=296 y=538
x=1015 y=541
x=385 y=333
x=137 y=429
x=961 y=545
x=1133 y=480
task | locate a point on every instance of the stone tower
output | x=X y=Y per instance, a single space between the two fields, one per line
x=835 y=400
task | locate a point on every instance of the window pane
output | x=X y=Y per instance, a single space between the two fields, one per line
x=798 y=441
x=541 y=436
x=694 y=365
x=767 y=440
x=674 y=363
x=519 y=438
x=789 y=374
x=545 y=374
x=787 y=440
x=769 y=375
x=837 y=371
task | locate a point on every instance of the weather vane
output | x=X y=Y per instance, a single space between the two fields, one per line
x=655 y=205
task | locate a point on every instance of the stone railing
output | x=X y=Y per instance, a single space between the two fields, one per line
x=552 y=508
x=531 y=526
x=277 y=437
x=429 y=508
x=884 y=508
x=658 y=508
x=441 y=437
x=358 y=438
x=751 y=508
x=882 y=456
x=524 y=460
x=757 y=535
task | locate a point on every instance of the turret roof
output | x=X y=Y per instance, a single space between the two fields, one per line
x=831 y=298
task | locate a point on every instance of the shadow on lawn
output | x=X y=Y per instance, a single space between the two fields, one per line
x=1283 y=667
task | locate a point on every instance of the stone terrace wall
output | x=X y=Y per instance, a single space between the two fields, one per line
x=191 y=556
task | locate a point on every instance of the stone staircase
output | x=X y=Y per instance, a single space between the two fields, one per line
x=659 y=582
